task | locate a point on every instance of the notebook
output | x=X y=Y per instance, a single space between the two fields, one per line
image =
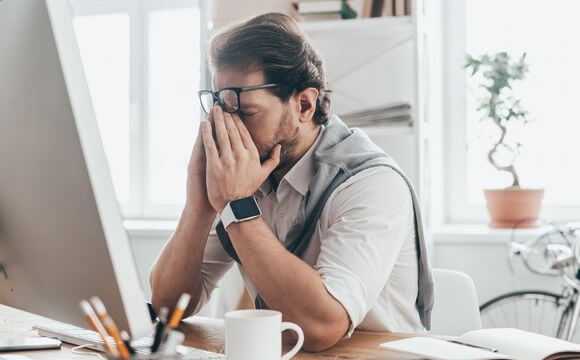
x=509 y=343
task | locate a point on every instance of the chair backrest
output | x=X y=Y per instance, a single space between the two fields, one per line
x=456 y=309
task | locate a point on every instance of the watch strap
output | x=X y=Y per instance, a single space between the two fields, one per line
x=226 y=242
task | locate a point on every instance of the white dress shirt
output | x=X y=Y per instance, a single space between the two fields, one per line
x=363 y=246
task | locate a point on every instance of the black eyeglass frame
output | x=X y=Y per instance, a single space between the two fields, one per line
x=238 y=90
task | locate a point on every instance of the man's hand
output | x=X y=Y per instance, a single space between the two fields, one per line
x=233 y=168
x=196 y=188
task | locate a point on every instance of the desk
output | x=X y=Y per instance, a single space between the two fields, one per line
x=203 y=333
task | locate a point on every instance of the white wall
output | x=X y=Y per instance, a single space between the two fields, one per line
x=482 y=253
x=147 y=245
x=476 y=250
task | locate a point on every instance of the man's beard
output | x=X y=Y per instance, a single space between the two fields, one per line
x=287 y=136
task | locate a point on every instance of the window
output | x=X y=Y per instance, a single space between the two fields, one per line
x=547 y=32
x=143 y=61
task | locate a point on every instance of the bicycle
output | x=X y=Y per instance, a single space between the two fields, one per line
x=554 y=253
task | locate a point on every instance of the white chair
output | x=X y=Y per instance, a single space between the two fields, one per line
x=456 y=309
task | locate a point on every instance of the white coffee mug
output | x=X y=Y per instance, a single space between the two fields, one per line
x=257 y=335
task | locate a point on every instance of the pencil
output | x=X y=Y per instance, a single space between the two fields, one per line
x=127 y=341
x=109 y=324
x=179 y=310
x=97 y=326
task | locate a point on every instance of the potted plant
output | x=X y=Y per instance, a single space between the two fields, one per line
x=513 y=206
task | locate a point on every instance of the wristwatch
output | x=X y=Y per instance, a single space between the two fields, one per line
x=240 y=210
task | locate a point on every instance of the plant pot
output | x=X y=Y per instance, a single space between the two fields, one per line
x=514 y=207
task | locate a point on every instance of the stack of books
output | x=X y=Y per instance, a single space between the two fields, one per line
x=319 y=10
x=398 y=113
x=381 y=8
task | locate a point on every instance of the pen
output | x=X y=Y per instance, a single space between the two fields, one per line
x=127 y=340
x=97 y=326
x=174 y=338
x=179 y=310
x=473 y=346
x=160 y=329
x=109 y=324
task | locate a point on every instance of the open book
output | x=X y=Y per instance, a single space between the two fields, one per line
x=489 y=344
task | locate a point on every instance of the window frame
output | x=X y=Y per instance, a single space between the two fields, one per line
x=457 y=208
x=139 y=207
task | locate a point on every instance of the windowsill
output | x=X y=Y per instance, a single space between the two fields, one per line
x=149 y=228
x=476 y=234
x=482 y=234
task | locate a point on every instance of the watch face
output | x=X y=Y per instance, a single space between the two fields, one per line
x=245 y=208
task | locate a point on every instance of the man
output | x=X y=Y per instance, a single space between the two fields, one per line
x=338 y=244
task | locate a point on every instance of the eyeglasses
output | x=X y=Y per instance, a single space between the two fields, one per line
x=227 y=98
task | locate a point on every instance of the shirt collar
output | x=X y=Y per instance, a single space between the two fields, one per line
x=300 y=174
x=266 y=187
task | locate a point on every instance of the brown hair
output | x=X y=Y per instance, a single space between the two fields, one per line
x=274 y=43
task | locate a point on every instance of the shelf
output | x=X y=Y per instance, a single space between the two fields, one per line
x=362 y=26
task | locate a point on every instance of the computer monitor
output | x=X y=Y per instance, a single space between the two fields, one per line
x=61 y=233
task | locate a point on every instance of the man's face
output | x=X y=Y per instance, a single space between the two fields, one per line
x=269 y=120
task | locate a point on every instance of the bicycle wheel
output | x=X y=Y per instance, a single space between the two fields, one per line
x=537 y=311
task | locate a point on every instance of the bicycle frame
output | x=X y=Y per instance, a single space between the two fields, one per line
x=554 y=253
x=573 y=305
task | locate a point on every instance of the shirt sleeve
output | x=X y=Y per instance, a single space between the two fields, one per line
x=370 y=216
x=216 y=262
